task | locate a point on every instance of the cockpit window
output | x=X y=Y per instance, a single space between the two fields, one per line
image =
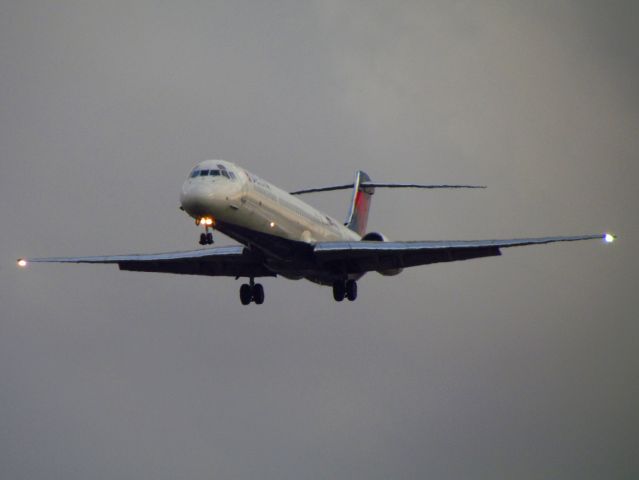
x=212 y=173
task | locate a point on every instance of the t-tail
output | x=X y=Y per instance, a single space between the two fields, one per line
x=363 y=189
x=360 y=203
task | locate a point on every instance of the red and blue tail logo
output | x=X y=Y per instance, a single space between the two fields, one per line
x=360 y=204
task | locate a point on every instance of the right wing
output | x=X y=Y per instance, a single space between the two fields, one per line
x=230 y=261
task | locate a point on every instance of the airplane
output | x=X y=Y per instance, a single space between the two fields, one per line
x=280 y=235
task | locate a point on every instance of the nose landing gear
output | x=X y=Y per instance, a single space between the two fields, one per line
x=252 y=292
x=206 y=238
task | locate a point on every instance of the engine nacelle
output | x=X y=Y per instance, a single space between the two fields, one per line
x=380 y=237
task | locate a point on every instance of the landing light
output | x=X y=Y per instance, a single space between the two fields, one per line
x=208 y=221
x=272 y=224
x=22 y=263
x=609 y=238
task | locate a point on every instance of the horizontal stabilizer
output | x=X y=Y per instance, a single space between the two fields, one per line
x=348 y=186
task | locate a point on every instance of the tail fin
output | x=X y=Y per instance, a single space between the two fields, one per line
x=361 y=202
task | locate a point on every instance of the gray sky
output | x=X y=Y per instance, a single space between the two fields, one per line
x=523 y=366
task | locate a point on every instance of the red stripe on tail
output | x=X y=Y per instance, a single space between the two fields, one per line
x=360 y=204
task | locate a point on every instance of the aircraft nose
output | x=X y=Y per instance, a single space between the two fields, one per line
x=196 y=199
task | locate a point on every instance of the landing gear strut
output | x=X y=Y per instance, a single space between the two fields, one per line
x=206 y=238
x=347 y=289
x=252 y=292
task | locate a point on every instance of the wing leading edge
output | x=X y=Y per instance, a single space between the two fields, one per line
x=351 y=257
x=365 y=256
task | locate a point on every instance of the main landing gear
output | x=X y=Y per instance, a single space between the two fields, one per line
x=252 y=292
x=347 y=289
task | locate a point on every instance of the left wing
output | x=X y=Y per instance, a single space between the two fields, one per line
x=231 y=261
x=365 y=256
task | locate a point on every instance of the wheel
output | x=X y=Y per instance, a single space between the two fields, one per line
x=351 y=290
x=258 y=293
x=339 y=290
x=245 y=294
x=209 y=238
x=202 y=238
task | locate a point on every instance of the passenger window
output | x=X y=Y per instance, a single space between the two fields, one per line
x=204 y=173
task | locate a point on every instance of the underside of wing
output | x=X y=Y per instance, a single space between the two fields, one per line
x=365 y=256
x=232 y=261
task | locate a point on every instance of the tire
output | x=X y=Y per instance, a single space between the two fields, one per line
x=245 y=294
x=258 y=294
x=339 y=290
x=209 y=238
x=202 y=239
x=351 y=290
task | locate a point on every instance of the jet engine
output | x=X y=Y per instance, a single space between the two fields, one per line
x=380 y=237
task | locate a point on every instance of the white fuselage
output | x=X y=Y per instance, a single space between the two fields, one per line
x=234 y=196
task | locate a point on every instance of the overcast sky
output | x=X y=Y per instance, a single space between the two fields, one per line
x=523 y=366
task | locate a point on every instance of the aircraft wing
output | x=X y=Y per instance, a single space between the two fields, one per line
x=365 y=256
x=231 y=261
